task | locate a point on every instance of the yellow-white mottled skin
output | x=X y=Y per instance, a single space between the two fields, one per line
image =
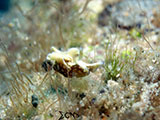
x=68 y=61
x=63 y=57
x=59 y=56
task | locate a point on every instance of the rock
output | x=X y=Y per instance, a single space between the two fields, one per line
x=131 y=115
x=127 y=14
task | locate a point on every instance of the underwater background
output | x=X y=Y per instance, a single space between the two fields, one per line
x=80 y=59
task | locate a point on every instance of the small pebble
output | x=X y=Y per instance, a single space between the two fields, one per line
x=93 y=100
x=157 y=33
x=35 y=101
x=102 y=91
x=82 y=95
